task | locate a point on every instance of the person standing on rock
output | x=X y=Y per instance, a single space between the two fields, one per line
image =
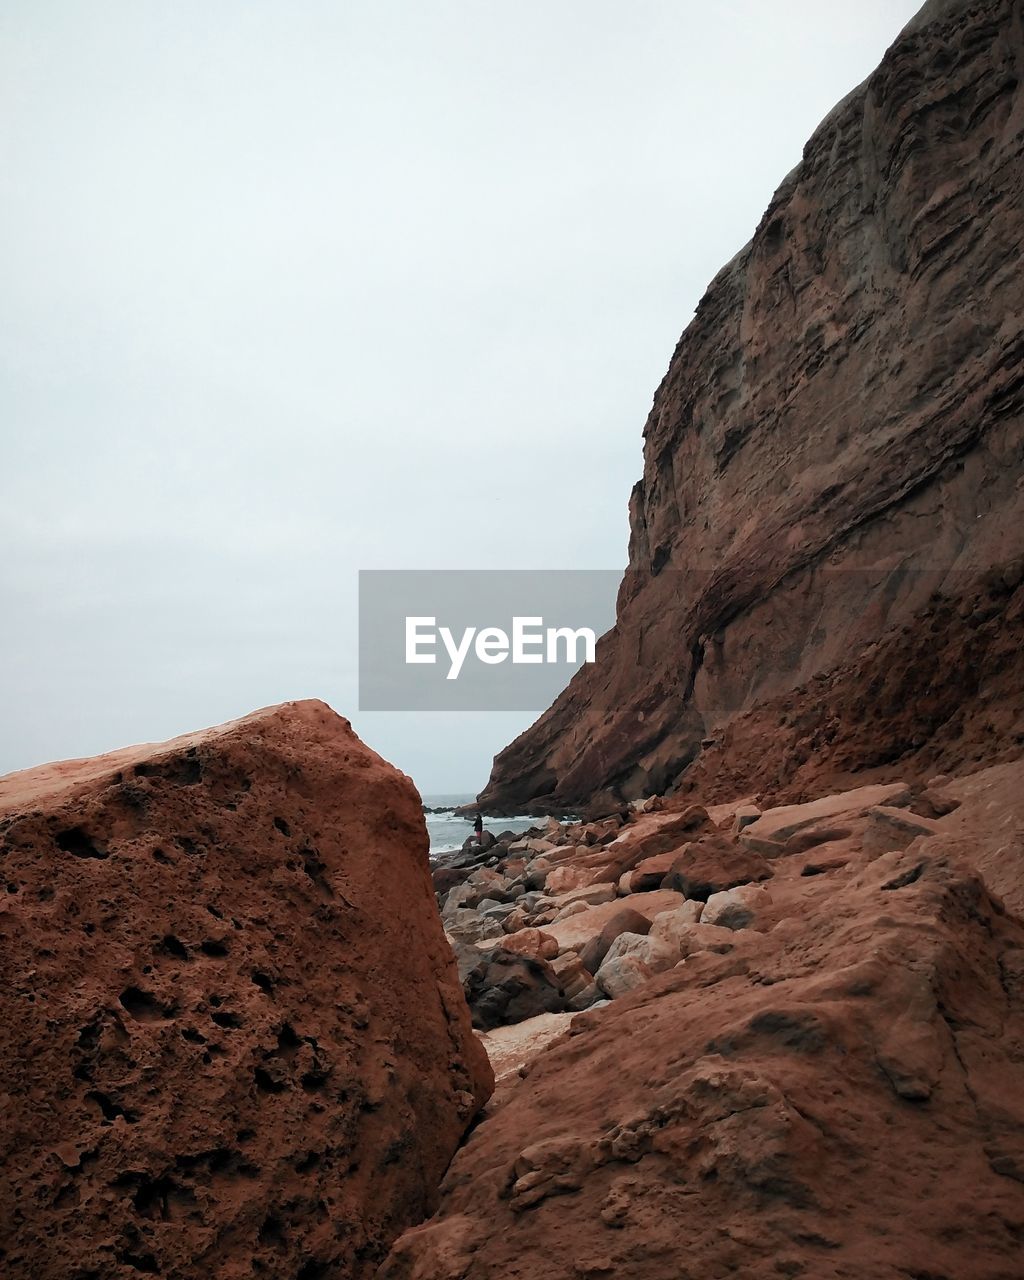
x=478 y=828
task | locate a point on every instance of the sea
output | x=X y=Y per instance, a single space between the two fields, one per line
x=448 y=830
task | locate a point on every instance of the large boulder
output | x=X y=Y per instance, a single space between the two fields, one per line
x=770 y=833
x=224 y=1049
x=590 y=895
x=491 y=909
x=711 y=865
x=737 y=908
x=481 y=843
x=631 y=960
x=457 y=899
x=985 y=822
x=505 y=987
x=673 y=926
x=485 y=882
x=531 y=942
x=567 y=877
x=685 y=937
x=648 y=873
x=743 y=815
x=625 y=920
x=572 y=974
x=516 y=919
x=571 y=909
x=536 y=874
x=447 y=877
x=646 y=836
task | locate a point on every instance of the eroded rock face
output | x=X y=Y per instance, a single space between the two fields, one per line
x=232 y=1036
x=841 y=1095
x=825 y=555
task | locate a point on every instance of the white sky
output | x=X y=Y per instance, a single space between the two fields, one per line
x=293 y=289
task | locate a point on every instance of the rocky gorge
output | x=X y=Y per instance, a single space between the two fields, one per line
x=756 y=1011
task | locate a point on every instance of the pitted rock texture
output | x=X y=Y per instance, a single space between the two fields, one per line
x=833 y=461
x=232 y=1034
x=837 y=1091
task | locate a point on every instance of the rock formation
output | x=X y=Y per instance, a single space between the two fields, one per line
x=832 y=510
x=821 y=1074
x=767 y=1021
x=232 y=1034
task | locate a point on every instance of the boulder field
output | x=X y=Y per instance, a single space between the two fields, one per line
x=761 y=1013
x=737 y=1039
x=818 y=1071
x=827 y=543
x=232 y=1033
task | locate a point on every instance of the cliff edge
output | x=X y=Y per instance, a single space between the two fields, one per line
x=834 y=462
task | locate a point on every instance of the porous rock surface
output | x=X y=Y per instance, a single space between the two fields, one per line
x=825 y=559
x=232 y=1036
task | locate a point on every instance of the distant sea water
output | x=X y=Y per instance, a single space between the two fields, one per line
x=448 y=831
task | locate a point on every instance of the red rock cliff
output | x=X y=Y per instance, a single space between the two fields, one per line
x=833 y=460
x=232 y=1034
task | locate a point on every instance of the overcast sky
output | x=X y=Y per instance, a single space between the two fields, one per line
x=291 y=289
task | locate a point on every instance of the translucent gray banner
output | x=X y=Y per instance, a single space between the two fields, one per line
x=477 y=640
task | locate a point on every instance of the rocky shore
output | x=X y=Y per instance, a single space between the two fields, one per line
x=569 y=916
x=730 y=1041
x=731 y=1038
